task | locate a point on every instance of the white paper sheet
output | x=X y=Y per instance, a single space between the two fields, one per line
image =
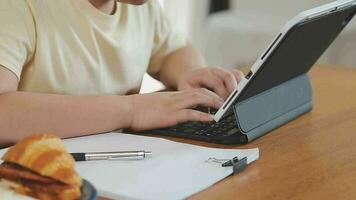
x=175 y=171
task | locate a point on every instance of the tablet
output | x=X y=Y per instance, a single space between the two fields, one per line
x=294 y=50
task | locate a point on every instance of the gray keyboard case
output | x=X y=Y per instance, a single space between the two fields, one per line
x=273 y=108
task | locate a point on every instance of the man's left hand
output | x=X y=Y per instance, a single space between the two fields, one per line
x=219 y=80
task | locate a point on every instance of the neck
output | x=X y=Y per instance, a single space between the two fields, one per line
x=106 y=6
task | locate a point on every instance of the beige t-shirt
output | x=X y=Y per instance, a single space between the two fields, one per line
x=70 y=47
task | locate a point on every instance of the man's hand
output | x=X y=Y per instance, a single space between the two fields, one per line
x=219 y=80
x=164 y=109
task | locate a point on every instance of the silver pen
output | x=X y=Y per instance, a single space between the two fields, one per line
x=111 y=155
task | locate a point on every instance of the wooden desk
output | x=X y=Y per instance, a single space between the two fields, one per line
x=313 y=157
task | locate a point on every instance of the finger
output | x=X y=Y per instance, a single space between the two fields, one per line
x=199 y=97
x=210 y=81
x=228 y=78
x=209 y=93
x=218 y=101
x=185 y=86
x=216 y=84
x=192 y=115
x=187 y=98
x=238 y=74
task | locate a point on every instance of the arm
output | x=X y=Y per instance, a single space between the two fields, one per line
x=185 y=69
x=178 y=62
x=24 y=113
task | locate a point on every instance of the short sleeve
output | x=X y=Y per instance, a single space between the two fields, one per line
x=166 y=39
x=17 y=35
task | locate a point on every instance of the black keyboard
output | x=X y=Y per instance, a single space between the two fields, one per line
x=225 y=126
x=223 y=132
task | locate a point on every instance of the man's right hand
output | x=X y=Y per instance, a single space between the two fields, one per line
x=165 y=109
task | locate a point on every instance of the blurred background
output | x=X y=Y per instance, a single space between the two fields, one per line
x=234 y=33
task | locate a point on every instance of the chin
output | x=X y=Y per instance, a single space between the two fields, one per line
x=133 y=2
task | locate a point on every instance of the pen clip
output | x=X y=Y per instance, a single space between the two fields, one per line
x=138 y=157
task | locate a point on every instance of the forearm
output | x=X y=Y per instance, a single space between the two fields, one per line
x=67 y=116
x=178 y=62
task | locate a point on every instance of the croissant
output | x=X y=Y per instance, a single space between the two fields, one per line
x=40 y=166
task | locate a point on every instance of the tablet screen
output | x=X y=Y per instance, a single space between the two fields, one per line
x=298 y=51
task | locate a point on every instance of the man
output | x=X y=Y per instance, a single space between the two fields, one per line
x=74 y=67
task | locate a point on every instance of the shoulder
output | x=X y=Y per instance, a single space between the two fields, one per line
x=11 y=5
x=15 y=11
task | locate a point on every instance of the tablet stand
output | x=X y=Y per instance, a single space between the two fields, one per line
x=273 y=108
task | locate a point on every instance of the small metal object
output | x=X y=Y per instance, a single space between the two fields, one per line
x=230 y=163
x=215 y=160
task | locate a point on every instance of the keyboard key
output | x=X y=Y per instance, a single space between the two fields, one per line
x=231 y=132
